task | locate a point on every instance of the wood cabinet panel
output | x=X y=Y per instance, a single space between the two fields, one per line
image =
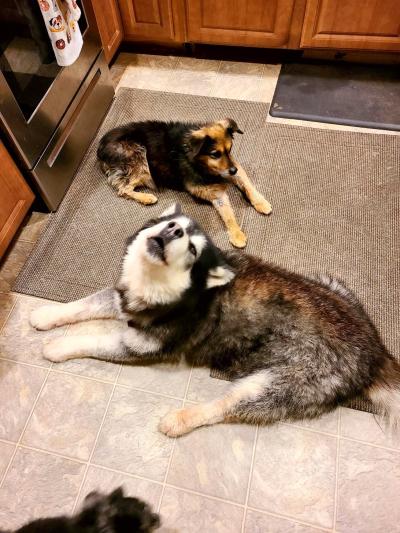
x=16 y=198
x=263 y=23
x=110 y=25
x=351 y=24
x=149 y=20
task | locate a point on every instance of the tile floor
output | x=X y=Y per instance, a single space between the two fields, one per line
x=70 y=428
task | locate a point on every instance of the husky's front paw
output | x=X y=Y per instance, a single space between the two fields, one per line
x=174 y=423
x=238 y=238
x=58 y=350
x=44 y=318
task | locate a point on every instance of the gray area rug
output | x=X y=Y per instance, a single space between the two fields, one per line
x=335 y=198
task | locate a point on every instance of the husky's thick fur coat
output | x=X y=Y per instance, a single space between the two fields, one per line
x=101 y=513
x=183 y=156
x=294 y=347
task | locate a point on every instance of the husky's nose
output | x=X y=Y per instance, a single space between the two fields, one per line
x=232 y=171
x=171 y=231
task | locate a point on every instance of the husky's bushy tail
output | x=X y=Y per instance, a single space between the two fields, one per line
x=384 y=392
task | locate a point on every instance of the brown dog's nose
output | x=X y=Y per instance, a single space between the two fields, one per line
x=232 y=171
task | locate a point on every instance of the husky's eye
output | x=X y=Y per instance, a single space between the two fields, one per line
x=215 y=154
x=192 y=249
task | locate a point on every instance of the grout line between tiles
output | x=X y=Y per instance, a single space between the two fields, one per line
x=335 y=501
x=9 y=313
x=150 y=392
x=96 y=439
x=174 y=444
x=250 y=477
x=204 y=495
x=312 y=430
x=50 y=452
x=289 y=518
x=122 y=472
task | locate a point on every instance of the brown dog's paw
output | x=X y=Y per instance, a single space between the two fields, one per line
x=238 y=238
x=262 y=206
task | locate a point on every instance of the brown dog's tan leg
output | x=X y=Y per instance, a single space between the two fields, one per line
x=134 y=172
x=257 y=200
x=127 y=190
x=216 y=194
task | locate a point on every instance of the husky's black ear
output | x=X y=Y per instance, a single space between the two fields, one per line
x=218 y=276
x=174 y=209
x=231 y=126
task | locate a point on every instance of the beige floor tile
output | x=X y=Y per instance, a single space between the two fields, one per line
x=67 y=416
x=129 y=440
x=327 y=423
x=12 y=264
x=214 y=460
x=246 y=81
x=193 y=76
x=261 y=523
x=18 y=340
x=294 y=474
x=92 y=368
x=106 y=481
x=37 y=485
x=163 y=379
x=368 y=489
x=20 y=386
x=203 y=388
x=190 y=513
x=369 y=428
x=34 y=227
x=149 y=72
x=7 y=301
x=6 y=451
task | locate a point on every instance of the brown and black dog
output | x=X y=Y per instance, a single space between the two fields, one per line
x=184 y=156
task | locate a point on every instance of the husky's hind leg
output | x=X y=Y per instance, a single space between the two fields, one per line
x=245 y=391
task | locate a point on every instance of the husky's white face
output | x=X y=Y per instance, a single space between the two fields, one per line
x=175 y=242
x=158 y=264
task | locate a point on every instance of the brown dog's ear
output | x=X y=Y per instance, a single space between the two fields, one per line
x=196 y=142
x=231 y=126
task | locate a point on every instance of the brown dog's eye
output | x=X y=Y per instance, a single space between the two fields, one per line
x=215 y=154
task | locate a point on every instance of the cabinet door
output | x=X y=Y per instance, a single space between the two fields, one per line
x=110 y=25
x=263 y=23
x=148 y=20
x=16 y=198
x=352 y=24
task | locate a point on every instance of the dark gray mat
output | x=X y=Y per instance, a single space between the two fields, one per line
x=335 y=197
x=355 y=95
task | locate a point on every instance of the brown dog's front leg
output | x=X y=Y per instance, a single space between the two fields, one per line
x=257 y=200
x=224 y=208
x=217 y=196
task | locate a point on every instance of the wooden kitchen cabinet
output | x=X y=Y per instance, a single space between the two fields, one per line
x=352 y=24
x=260 y=23
x=159 y=21
x=15 y=200
x=109 y=22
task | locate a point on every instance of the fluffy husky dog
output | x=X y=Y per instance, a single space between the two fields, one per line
x=294 y=347
x=101 y=513
x=185 y=156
